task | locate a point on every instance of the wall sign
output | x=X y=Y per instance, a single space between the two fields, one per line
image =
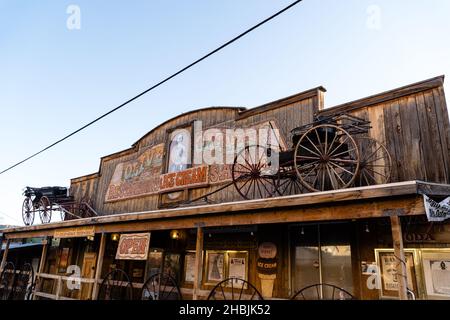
x=437 y=211
x=190 y=178
x=74 y=232
x=137 y=177
x=133 y=246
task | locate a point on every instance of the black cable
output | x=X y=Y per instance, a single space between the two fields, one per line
x=156 y=85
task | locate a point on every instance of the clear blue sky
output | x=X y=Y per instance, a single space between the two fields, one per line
x=53 y=79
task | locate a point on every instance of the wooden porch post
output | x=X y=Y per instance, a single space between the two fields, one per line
x=400 y=256
x=5 y=254
x=41 y=266
x=98 y=268
x=198 y=263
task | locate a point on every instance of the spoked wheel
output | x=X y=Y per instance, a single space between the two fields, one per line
x=28 y=211
x=45 y=210
x=7 y=281
x=234 y=289
x=252 y=174
x=116 y=286
x=161 y=286
x=326 y=158
x=375 y=164
x=322 y=292
x=23 y=283
x=288 y=183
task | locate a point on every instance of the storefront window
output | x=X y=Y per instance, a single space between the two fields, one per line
x=322 y=255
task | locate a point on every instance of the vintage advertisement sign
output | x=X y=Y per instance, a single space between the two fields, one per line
x=137 y=177
x=74 y=232
x=133 y=246
x=437 y=211
x=190 y=178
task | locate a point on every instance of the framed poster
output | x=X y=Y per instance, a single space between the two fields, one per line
x=436 y=270
x=189 y=266
x=154 y=262
x=215 y=266
x=237 y=266
x=179 y=148
x=63 y=260
x=389 y=264
x=172 y=264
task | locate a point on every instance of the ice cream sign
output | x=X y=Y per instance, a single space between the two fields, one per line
x=267 y=267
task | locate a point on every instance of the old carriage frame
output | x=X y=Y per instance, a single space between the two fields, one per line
x=331 y=153
x=44 y=201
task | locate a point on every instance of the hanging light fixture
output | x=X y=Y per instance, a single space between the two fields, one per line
x=367 y=227
x=115 y=237
x=175 y=234
x=302 y=232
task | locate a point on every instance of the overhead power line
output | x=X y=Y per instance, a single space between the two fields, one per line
x=156 y=85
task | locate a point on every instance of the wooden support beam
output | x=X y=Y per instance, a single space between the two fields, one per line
x=411 y=205
x=198 y=263
x=400 y=256
x=41 y=265
x=5 y=254
x=98 y=268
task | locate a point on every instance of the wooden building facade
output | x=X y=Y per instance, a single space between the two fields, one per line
x=202 y=231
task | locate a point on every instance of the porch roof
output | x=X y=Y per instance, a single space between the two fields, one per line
x=390 y=197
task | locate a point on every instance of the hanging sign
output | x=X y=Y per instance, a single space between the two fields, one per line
x=133 y=246
x=437 y=211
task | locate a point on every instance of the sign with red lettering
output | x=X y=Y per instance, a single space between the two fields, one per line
x=190 y=178
x=133 y=246
x=137 y=177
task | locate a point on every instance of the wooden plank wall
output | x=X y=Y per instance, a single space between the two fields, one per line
x=411 y=121
x=287 y=117
x=415 y=129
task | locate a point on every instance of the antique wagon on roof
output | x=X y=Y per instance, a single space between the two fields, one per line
x=45 y=200
x=331 y=153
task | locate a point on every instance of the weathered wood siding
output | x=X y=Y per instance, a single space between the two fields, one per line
x=413 y=123
x=287 y=113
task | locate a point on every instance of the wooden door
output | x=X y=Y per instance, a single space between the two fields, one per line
x=88 y=272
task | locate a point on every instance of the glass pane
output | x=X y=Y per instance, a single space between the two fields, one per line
x=337 y=269
x=306 y=269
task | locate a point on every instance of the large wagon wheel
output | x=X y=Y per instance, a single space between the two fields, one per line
x=116 y=286
x=161 y=286
x=326 y=158
x=251 y=173
x=7 y=278
x=28 y=211
x=375 y=162
x=234 y=289
x=322 y=291
x=45 y=210
x=23 y=283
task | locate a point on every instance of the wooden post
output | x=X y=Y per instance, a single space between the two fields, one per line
x=41 y=266
x=98 y=268
x=58 y=288
x=5 y=254
x=198 y=263
x=397 y=239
